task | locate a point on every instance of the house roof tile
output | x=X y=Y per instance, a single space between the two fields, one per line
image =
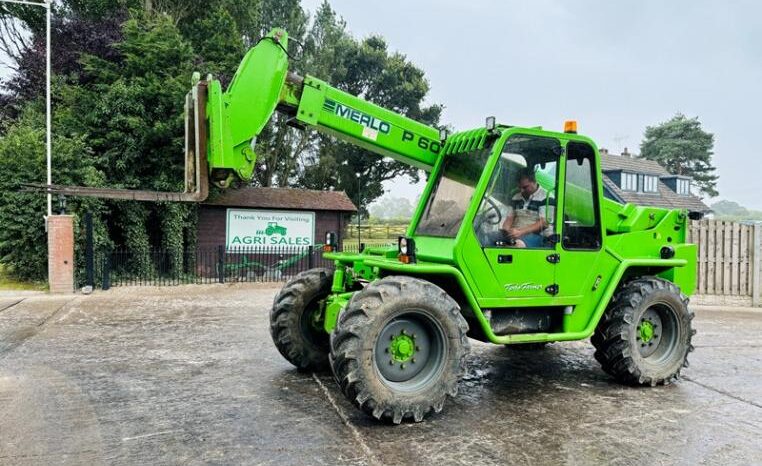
x=284 y=198
x=666 y=197
x=631 y=164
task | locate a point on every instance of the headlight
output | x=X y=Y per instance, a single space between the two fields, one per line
x=403 y=245
x=330 y=242
x=406 y=250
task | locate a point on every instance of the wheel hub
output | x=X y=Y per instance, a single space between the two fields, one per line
x=646 y=331
x=402 y=347
x=648 y=335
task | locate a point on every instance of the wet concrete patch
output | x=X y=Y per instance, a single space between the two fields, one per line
x=188 y=375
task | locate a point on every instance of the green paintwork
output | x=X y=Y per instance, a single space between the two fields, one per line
x=631 y=236
x=333 y=306
x=240 y=113
x=646 y=331
x=402 y=348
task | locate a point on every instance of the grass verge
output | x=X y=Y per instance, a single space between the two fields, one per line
x=9 y=283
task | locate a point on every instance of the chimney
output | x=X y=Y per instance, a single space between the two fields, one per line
x=603 y=151
x=625 y=153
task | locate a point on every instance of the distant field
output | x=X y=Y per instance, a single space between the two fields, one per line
x=376 y=232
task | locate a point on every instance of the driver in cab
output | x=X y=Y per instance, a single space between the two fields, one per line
x=525 y=219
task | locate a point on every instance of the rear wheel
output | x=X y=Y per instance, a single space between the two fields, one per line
x=399 y=349
x=645 y=335
x=295 y=320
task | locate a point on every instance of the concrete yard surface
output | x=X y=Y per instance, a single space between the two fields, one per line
x=189 y=375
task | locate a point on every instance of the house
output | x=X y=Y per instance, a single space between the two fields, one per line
x=627 y=178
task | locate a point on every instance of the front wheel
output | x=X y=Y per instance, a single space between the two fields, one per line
x=645 y=335
x=398 y=349
x=295 y=320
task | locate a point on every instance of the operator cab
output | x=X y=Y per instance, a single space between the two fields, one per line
x=515 y=210
x=518 y=207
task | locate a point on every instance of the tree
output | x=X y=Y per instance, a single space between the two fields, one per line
x=682 y=147
x=132 y=114
x=397 y=208
x=729 y=208
x=733 y=211
x=23 y=245
x=367 y=69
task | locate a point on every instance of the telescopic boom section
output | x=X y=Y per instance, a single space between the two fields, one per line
x=263 y=85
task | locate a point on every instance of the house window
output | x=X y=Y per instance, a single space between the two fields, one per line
x=650 y=184
x=629 y=182
x=683 y=186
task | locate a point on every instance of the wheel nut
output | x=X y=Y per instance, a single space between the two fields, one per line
x=403 y=332
x=391 y=362
x=418 y=348
x=412 y=361
x=414 y=335
x=402 y=366
x=386 y=350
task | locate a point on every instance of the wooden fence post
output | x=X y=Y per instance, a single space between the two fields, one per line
x=755 y=278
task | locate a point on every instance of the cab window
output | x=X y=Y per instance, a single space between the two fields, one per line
x=581 y=228
x=519 y=205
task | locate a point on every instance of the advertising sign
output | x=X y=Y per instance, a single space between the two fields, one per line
x=247 y=228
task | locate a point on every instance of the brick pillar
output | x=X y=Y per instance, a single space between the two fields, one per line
x=61 y=253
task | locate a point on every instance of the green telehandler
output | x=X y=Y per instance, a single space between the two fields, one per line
x=512 y=242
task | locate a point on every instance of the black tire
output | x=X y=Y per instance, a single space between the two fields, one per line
x=364 y=341
x=644 y=336
x=292 y=320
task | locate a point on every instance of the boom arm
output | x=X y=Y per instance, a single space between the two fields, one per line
x=263 y=85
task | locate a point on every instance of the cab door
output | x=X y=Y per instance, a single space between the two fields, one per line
x=581 y=231
x=515 y=223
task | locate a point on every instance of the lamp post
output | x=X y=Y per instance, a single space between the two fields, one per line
x=47 y=4
x=359 y=212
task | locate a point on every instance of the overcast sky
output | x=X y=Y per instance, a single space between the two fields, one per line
x=616 y=67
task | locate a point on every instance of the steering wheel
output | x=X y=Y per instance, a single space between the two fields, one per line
x=487 y=213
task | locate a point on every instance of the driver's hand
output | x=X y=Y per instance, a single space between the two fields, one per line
x=514 y=233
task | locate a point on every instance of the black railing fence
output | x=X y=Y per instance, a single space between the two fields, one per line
x=122 y=267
